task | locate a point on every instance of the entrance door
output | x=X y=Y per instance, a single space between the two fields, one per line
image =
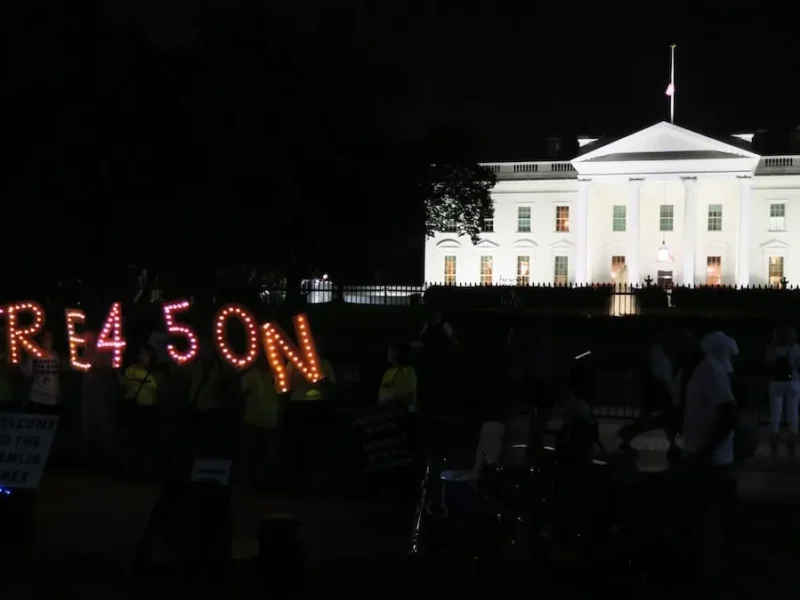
x=665 y=279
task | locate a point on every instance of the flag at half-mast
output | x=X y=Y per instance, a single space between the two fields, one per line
x=671 y=86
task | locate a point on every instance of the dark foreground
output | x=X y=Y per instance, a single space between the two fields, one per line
x=88 y=528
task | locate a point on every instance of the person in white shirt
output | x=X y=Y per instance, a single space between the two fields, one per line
x=782 y=359
x=45 y=375
x=722 y=347
x=710 y=416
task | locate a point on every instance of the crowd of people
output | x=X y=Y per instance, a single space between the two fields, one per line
x=152 y=419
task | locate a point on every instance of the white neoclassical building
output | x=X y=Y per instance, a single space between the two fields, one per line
x=663 y=203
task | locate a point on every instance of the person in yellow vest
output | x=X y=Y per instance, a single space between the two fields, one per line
x=260 y=456
x=399 y=381
x=204 y=411
x=309 y=417
x=143 y=387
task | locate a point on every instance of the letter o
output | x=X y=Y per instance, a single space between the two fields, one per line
x=251 y=332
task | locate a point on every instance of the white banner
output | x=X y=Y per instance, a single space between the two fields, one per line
x=25 y=441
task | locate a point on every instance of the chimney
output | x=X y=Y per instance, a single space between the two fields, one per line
x=554 y=146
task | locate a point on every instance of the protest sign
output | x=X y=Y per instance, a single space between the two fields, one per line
x=212 y=471
x=25 y=441
x=387 y=440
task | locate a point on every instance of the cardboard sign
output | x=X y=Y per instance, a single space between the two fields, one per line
x=212 y=471
x=25 y=441
x=387 y=440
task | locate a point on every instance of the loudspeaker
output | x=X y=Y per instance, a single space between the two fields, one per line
x=189 y=535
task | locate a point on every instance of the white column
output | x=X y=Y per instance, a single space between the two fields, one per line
x=634 y=239
x=743 y=242
x=689 y=229
x=582 y=275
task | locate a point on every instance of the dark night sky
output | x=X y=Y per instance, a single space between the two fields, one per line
x=512 y=70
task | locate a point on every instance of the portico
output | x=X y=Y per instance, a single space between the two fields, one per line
x=649 y=163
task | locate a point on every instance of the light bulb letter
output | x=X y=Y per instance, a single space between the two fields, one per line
x=75 y=316
x=19 y=337
x=248 y=321
x=180 y=330
x=279 y=347
x=110 y=338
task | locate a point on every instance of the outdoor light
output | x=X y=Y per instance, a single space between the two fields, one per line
x=663 y=252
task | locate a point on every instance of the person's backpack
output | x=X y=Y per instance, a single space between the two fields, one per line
x=783 y=368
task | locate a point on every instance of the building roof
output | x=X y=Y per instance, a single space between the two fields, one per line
x=522 y=146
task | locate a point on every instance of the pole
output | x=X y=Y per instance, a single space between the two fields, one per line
x=672 y=82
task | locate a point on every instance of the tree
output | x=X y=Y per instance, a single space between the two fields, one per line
x=458 y=194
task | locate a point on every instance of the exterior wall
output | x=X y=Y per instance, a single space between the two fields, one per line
x=506 y=244
x=766 y=243
x=542 y=244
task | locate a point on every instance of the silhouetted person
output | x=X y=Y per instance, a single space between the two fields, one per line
x=98 y=406
x=399 y=382
x=782 y=358
x=437 y=333
x=310 y=420
x=45 y=375
x=143 y=387
x=658 y=400
x=709 y=419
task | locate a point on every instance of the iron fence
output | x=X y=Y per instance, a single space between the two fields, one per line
x=597 y=299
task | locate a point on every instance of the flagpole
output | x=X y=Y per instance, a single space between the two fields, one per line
x=672 y=82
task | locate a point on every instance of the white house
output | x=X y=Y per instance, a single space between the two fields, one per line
x=665 y=203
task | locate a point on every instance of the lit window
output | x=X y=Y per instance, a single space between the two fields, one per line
x=561 y=270
x=715 y=217
x=666 y=220
x=618 y=221
x=524 y=219
x=449 y=270
x=714 y=270
x=775 y=270
x=486 y=270
x=449 y=226
x=777 y=217
x=562 y=219
x=617 y=268
x=523 y=270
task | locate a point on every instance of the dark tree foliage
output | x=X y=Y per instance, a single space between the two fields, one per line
x=458 y=195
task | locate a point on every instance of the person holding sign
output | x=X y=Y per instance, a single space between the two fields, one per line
x=399 y=382
x=143 y=387
x=204 y=411
x=309 y=420
x=260 y=450
x=45 y=375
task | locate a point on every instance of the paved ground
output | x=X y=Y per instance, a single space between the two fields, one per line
x=85 y=521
